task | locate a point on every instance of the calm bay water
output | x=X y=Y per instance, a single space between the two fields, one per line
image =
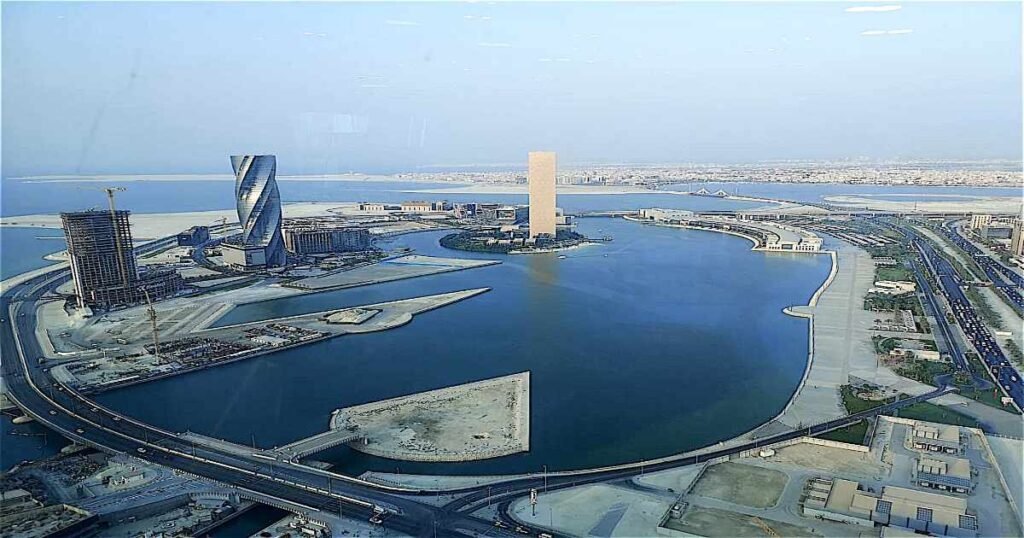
x=816 y=193
x=673 y=340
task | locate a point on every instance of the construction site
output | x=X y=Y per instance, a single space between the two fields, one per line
x=203 y=348
x=909 y=477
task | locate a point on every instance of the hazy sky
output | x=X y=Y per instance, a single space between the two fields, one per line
x=164 y=88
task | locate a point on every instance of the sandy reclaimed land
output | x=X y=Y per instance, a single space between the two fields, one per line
x=474 y=421
x=410 y=266
x=980 y=204
x=731 y=482
x=209 y=177
x=146 y=226
x=508 y=188
x=600 y=510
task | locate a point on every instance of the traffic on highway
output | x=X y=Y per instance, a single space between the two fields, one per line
x=973 y=328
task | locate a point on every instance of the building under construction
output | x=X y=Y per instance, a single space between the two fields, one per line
x=103 y=261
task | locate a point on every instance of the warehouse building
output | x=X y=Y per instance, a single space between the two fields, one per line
x=954 y=475
x=938 y=438
x=919 y=511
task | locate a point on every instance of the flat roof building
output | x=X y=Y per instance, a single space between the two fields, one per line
x=304 y=241
x=542 y=169
x=937 y=438
x=980 y=221
x=194 y=236
x=921 y=511
x=952 y=475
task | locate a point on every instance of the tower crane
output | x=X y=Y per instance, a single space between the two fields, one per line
x=151 y=312
x=117 y=232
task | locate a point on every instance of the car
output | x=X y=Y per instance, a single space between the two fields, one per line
x=500 y=524
x=53 y=412
x=376 y=520
x=522 y=530
x=141 y=450
x=79 y=431
x=117 y=419
x=94 y=409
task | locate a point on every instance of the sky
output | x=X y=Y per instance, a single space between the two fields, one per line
x=103 y=88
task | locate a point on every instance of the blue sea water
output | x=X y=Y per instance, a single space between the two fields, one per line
x=662 y=341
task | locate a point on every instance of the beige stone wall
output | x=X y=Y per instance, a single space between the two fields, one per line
x=542 y=192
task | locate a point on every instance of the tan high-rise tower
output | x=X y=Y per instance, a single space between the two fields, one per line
x=542 y=193
x=1017 y=238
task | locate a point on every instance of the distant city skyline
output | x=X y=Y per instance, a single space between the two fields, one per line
x=385 y=88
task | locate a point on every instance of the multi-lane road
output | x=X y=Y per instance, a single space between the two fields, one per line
x=287 y=485
x=975 y=331
x=1003 y=278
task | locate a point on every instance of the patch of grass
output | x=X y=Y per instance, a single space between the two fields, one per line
x=893 y=273
x=885 y=344
x=930 y=412
x=984 y=309
x=853 y=434
x=1014 y=349
x=855 y=404
x=889 y=303
x=924 y=371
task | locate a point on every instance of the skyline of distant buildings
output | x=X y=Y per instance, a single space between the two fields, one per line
x=810 y=173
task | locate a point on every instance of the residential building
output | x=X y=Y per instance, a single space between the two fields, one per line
x=304 y=241
x=980 y=221
x=1017 y=238
x=417 y=207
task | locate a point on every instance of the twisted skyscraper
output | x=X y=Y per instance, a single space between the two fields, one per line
x=259 y=205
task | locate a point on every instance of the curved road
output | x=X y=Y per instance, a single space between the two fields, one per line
x=290 y=486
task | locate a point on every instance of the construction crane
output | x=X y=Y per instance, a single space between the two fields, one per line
x=152 y=320
x=117 y=232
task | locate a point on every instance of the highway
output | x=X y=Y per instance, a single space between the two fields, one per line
x=1003 y=278
x=500 y=492
x=287 y=485
x=967 y=318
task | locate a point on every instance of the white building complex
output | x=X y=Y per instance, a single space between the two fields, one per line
x=767 y=236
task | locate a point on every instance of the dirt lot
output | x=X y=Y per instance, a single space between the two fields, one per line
x=711 y=522
x=737 y=483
